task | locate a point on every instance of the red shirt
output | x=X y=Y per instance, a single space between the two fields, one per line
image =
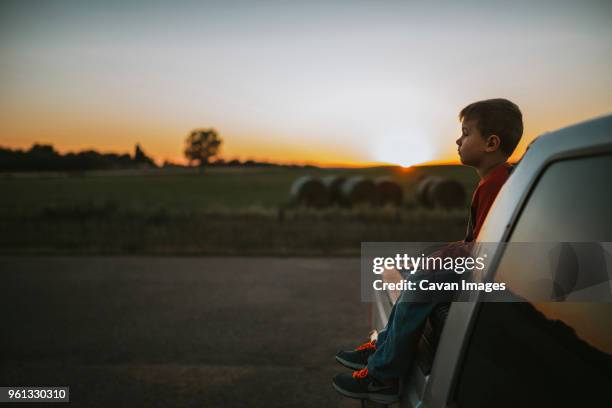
x=483 y=198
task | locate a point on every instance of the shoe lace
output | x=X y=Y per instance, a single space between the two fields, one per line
x=366 y=346
x=363 y=373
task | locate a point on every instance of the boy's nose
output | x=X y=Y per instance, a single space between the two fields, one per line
x=458 y=141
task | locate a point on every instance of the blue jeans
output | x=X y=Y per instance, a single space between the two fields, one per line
x=397 y=342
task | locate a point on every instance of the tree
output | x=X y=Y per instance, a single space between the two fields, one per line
x=202 y=145
x=141 y=158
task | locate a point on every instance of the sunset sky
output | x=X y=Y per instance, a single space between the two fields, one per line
x=326 y=82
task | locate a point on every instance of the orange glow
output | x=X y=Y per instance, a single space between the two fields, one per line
x=71 y=131
x=163 y=148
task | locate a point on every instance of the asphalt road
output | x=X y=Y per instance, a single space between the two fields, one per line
x=185 y=332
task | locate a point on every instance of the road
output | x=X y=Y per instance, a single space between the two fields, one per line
x=188 y=332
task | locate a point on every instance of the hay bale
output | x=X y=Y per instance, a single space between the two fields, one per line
x=309 y=191
x=334 y=187
x=358 y=191
x=422 y=194
x=447 y=193
x=388 y=191
x=440 y=192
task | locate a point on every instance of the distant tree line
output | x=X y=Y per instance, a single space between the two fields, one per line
x=243 y=163
x=43 y=157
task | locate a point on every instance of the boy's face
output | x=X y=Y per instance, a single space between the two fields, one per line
x=471 y=146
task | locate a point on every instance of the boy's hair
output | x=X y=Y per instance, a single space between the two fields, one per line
x=497 y=117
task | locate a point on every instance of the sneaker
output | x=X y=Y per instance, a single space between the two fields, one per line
x=358 y=358
x=361 y=385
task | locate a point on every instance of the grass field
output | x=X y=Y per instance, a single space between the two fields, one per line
x=223 y=211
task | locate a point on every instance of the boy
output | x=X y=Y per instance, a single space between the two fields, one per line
x=491 y=130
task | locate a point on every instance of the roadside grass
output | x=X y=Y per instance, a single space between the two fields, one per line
x=218 y=213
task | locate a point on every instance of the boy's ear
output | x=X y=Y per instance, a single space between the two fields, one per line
x=493 y=143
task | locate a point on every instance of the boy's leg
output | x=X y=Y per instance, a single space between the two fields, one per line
x=396 y=347
x=382 y=335
x=395 y=353
x=358 y=358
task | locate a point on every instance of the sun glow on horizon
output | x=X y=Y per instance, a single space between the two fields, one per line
x=404 y=148
x=304 y=83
